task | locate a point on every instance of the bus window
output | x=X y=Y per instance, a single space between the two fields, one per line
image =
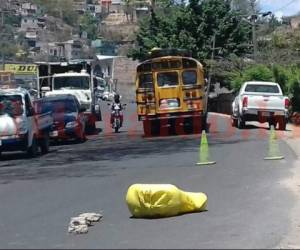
x=175 y=64
x=189 y=77
x=187 y=63
x=160 y=65
x=146 y=67
x=145 y=81
x=167 y=79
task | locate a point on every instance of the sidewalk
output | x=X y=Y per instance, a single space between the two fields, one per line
x=292 y=240
x=293 y=138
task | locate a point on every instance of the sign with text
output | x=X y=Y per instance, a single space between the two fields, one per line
x=21 y=69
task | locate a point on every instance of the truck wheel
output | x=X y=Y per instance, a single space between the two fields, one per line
x=272 y=123
x=188 y=126
x=45 y=144
x=234 y=122
x=241 y=123
x=147 y=128
x=282 y=124
x=81 y=137
x=32 y=151
x=155 y=127
x=90 y=128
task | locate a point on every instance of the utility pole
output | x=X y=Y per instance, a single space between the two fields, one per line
x=253 y=23
x=212 y=58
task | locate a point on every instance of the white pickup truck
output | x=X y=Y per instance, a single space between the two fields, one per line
x=21 y=127
x=261 y=102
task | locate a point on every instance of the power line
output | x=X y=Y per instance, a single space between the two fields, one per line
x=285 y=6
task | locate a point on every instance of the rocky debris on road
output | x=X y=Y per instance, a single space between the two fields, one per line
x=80 y=224
x=91 y=217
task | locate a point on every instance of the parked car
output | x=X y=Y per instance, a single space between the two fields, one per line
x=21 y=128
x=68 y=116
x=262 y=102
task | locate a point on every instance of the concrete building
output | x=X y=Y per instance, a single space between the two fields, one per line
x=56 y=50
x=111 y=6
x=31 y=37
x=73 y=49
x=68 y=50
x=80 y=6
x=29 y=22
x=94 y=9
x=28 y=9
x=103 y=47
x=116 y=6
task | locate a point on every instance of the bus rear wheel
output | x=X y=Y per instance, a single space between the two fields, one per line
x=147 y=128
x=151 y=127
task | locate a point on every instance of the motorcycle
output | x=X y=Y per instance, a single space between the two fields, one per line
x=117 y=116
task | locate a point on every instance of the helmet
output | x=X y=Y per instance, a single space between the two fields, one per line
x=117 y=98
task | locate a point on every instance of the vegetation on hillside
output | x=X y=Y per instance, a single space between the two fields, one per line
x=62 y=9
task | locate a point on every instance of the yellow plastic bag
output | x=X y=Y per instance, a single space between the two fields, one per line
x=162 y=200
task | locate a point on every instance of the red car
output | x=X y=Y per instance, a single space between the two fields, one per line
x=68 y=117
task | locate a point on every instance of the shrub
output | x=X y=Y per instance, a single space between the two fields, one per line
x=252 y=73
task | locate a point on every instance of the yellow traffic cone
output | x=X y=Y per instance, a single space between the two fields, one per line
x=273 y=151
x=204 y=151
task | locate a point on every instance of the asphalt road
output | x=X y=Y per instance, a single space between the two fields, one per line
x=247 y=207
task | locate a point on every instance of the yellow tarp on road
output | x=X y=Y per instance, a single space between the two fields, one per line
x=162 y=200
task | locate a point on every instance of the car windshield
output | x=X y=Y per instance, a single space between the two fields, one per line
x=262 y=88
x=59 y=106
x=72 y=82
x=167 y=79
x=11 y=105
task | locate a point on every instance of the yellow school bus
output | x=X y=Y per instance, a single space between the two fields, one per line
x=171 y=93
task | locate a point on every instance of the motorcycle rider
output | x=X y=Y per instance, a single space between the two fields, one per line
x=117 y=103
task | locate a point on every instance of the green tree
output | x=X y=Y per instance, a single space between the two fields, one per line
x=7 y=43
x=251 y=73
x=88 y=23
x=192 y=26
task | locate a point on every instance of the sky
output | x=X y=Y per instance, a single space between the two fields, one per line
x=280 y=7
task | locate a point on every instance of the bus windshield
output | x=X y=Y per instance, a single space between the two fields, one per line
x=72 y=82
